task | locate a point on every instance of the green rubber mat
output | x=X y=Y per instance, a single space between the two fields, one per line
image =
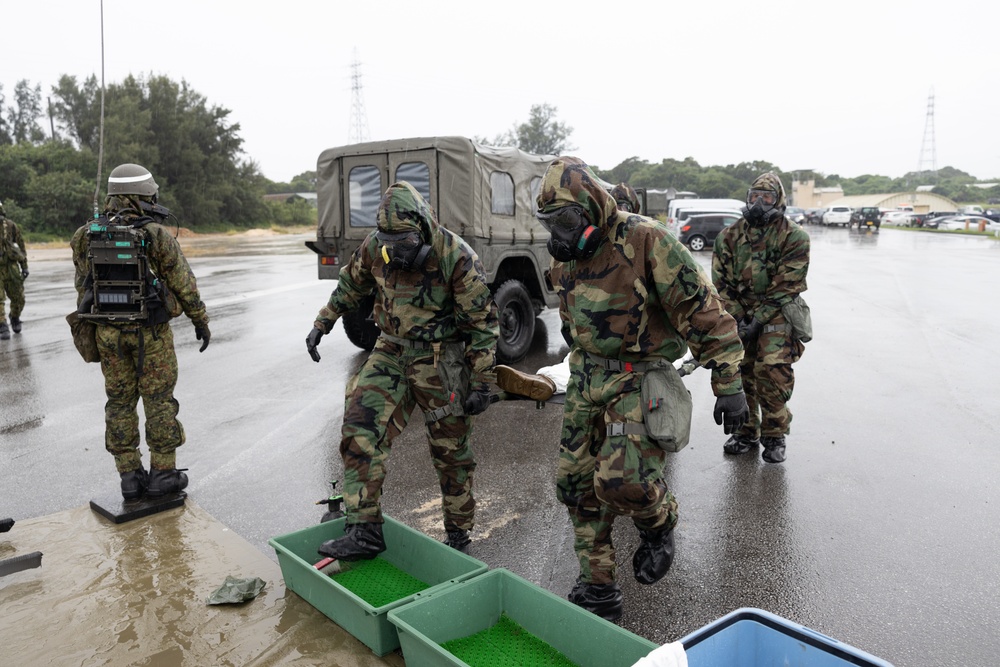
x=506 y=644
x=377 y=581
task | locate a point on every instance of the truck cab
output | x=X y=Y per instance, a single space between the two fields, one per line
x=484 y=194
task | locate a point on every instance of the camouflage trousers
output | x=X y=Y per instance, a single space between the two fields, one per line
x=124 y=384
x=768 y=381
x=379 y=401
x=11 y=287
x=601 y=476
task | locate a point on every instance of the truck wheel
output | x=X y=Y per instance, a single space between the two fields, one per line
x=517 y=321
x=360 y=327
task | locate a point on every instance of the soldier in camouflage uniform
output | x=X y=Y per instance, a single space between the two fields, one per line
x=759 y=265
x=436 y=352
x=630 y=296
x=13 y=272
x=137 y=357
x=626 y=198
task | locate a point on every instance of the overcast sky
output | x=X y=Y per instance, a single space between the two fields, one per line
x=841 y=87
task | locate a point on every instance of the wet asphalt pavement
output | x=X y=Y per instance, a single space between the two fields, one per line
x=879 y=530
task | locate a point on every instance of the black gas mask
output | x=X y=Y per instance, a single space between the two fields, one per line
x=403 y=250
x=573 y=235
x=761 y=207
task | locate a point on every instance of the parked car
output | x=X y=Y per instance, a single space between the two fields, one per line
x=683 y=214
x=796 y=214
x=932 y=219
x=865 y=217
x=838 y=215
x=699 y=231
x=970 y=222
x=814 y=216
x=896 y=218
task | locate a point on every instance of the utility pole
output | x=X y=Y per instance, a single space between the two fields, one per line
x=358 y=131
x=928 y=150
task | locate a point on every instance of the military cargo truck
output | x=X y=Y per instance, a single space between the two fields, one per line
x=484 y=194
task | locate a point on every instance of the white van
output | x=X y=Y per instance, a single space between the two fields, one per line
x=704 y=205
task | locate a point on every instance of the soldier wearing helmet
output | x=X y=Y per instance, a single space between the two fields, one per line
x=631 y=300
x=13 y=273
x=436 y=352
x=759 y=268
x=137 y=356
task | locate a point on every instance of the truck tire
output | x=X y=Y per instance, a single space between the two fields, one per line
x=517 y=321
x=360 y=327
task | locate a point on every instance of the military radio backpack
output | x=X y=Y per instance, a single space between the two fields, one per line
x=121 y=286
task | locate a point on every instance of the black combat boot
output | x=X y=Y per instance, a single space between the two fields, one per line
x=361 y=541
x=604 y=600
x=459 y=540
x=653 y=557
x=162 y=482
x=774 y=448
x=739 y=444
x=134 y=483
x=15 y=324
x=4 y=331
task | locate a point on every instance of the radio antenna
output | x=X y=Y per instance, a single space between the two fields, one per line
x=100 y=144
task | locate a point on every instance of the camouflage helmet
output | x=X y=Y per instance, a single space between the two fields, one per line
x=624 y=195
x=131 y=179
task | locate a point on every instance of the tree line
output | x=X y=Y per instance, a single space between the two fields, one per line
x=48 y=179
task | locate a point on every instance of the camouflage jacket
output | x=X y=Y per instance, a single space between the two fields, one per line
x=166 y=261
x=12 y=250
x=447 y=300
x=757 y=270
x=641 y=296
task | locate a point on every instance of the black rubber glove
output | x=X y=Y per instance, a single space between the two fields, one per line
x=477 y=401
x=24 y=273
x=731 y=412
x=749 y=330
x=202 y=333
x=312 y=340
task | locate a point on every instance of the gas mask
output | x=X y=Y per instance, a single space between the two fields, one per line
x=573 y=236
x=403 y=250
x=760 y=209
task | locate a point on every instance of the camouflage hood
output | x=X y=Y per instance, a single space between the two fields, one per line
x=569 y=180
x=403 y=209
x=624 y=192
x=770 y=181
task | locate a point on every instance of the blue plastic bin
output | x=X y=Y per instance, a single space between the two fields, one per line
x=755 y=638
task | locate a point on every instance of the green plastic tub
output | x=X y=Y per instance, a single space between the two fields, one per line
x=475 y=605
x=411 y=560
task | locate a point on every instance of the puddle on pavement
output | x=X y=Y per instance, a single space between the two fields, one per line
x=134 y=594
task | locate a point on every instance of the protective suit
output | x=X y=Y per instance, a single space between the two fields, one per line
x=759 y=266
x=633 y=297
x=13 y=272
x=436 y=351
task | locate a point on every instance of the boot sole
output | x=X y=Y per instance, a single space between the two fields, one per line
x=535 y=387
